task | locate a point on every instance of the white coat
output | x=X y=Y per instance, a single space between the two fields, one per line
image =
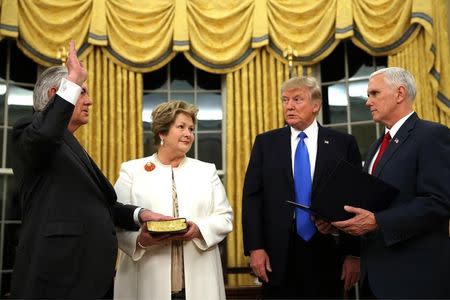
x=145 y=274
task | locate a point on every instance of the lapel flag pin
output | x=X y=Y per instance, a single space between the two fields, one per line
x=396 y=141
x=149 y=166
x=326 y=141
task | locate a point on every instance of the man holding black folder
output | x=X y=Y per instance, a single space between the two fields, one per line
x=406 y=247
x=286 y=251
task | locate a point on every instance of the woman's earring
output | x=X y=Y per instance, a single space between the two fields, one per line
x=162 y=142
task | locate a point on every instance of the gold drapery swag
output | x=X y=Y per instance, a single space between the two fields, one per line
x=243 y=39
x=223 y=36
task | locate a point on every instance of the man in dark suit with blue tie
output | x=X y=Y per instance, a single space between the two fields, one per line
x=406 y=248
x=286 y=251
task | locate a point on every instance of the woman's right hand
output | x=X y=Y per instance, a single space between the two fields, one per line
x=146 y=239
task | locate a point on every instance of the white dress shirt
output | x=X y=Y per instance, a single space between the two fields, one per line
x=69 y=91
x=312 y=133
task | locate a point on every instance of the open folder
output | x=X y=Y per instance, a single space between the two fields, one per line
x=348 y=185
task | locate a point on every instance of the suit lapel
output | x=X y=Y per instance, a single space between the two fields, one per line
x=90 y=165
x=104 y=182
x=324 y=150
x=286 y=155
x=80 y=154
x=396 y=142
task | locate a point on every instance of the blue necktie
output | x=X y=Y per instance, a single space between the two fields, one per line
x=302 y=181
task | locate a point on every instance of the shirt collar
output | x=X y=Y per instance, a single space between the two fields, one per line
x=311 y=131
x=394 y=129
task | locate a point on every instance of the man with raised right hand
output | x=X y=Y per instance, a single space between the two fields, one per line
x=68 y=246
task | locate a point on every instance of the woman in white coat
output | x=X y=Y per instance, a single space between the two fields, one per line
x=182 y=266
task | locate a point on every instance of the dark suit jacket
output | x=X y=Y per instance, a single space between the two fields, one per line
x=409 y=256
x=266 y=218
x=68 y=246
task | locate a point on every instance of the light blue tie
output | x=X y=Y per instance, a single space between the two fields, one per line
x=302 y=181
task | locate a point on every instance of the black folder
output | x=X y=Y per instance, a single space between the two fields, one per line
x=310 y=210
x=348 y=185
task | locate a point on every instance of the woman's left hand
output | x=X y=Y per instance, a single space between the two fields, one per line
x=192 y=233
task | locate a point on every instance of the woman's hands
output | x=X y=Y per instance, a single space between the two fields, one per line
x=192 y=233
x=146 y=239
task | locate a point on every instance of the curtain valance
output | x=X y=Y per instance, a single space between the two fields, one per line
x=143 y=35
x=223 y=36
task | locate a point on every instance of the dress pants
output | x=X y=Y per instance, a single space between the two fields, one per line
x=110 y=292
x=313 y=270
x=366 y=291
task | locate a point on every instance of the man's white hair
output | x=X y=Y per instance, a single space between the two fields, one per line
x=49 y=78
x=397 y=77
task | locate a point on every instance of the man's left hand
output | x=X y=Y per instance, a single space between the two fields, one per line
x=362 y=223
x=350 y=271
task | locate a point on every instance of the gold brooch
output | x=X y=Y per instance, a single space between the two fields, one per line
x=149 y=166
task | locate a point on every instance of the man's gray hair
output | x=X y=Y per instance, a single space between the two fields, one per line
x=50 y=78
x=303 y=82
x=396 y=77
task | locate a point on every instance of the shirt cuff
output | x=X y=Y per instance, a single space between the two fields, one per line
x=136 y=216
x=69 y=91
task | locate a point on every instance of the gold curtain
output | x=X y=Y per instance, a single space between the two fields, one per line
x=114 y=133
x=253 y=106
x=413 y=58
x=139 y=33
x=382 y=27
x=40 y=39
x=219 y=34
x=313 y=37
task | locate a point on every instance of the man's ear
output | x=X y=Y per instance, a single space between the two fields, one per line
x=401 y=94
x=52 y=92
x=317 y=105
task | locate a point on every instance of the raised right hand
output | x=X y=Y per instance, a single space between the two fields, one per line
x=77 y=73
